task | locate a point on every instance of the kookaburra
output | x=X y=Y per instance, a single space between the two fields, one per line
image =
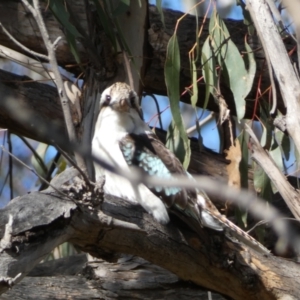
x=122 y=137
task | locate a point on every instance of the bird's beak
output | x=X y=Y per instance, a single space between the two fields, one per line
x=121 y=106
x=124 y=106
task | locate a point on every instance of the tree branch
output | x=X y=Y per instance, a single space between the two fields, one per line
x=41 y=221
x=287 y=191
x=273 y=45
x=35 y=10
x=130 y=276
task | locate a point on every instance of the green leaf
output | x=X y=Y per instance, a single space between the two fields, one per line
x=62 y=15
x=208 y=61
x=172 y=75
x=194 y=97
x=159 y=8
x=247 y=17
x=37 y=160
x=243 y=167
x=284 y=143
x=73 y=46
x=262 y=183
x=276 y=153
x=106 y=23
x=122 y=7
x=267 y=126
x=239 y=79
x=174 y=142
x=251 y=68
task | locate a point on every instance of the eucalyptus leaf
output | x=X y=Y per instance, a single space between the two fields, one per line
x=106 y=23
x=161 y=13
x=194 y=97
x=243 y=167
x=247 y=17
x=174 y=142
x=268 y=127
x=121 y=8
x=233 y=66
x=276 y=155
x=262 y=183
x=172 y=75
x=208 y=61
x=60 y=12
x=283 y=141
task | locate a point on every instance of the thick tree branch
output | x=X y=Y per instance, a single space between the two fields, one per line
x=43 y=220
x=130 y=276
x=287 y=191
x=274 y=47
x=30 y=108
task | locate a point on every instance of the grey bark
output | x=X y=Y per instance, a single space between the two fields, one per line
x=205 y=259
x=129 y=277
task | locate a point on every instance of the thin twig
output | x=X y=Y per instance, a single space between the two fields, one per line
x=33 y=53
x=71 y=161
x=35 y=10
x=201 y=123
x=35 y=154
x=55 y=43
x=262 y=222
x=50 y=171
x=4 y=183
x=157 y=107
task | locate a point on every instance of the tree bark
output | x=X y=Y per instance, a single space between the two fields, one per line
x=74 y=277
x=207 y=259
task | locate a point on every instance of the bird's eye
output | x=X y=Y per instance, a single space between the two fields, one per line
x=107 y=100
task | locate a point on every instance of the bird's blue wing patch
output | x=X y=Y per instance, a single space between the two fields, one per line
x=147 y=152
x=140 y=154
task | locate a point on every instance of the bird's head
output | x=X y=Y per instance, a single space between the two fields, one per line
x=120 y=98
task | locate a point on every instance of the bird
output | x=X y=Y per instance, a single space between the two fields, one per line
x=122 y=137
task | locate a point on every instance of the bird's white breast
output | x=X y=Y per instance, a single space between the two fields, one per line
x=110 y=128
